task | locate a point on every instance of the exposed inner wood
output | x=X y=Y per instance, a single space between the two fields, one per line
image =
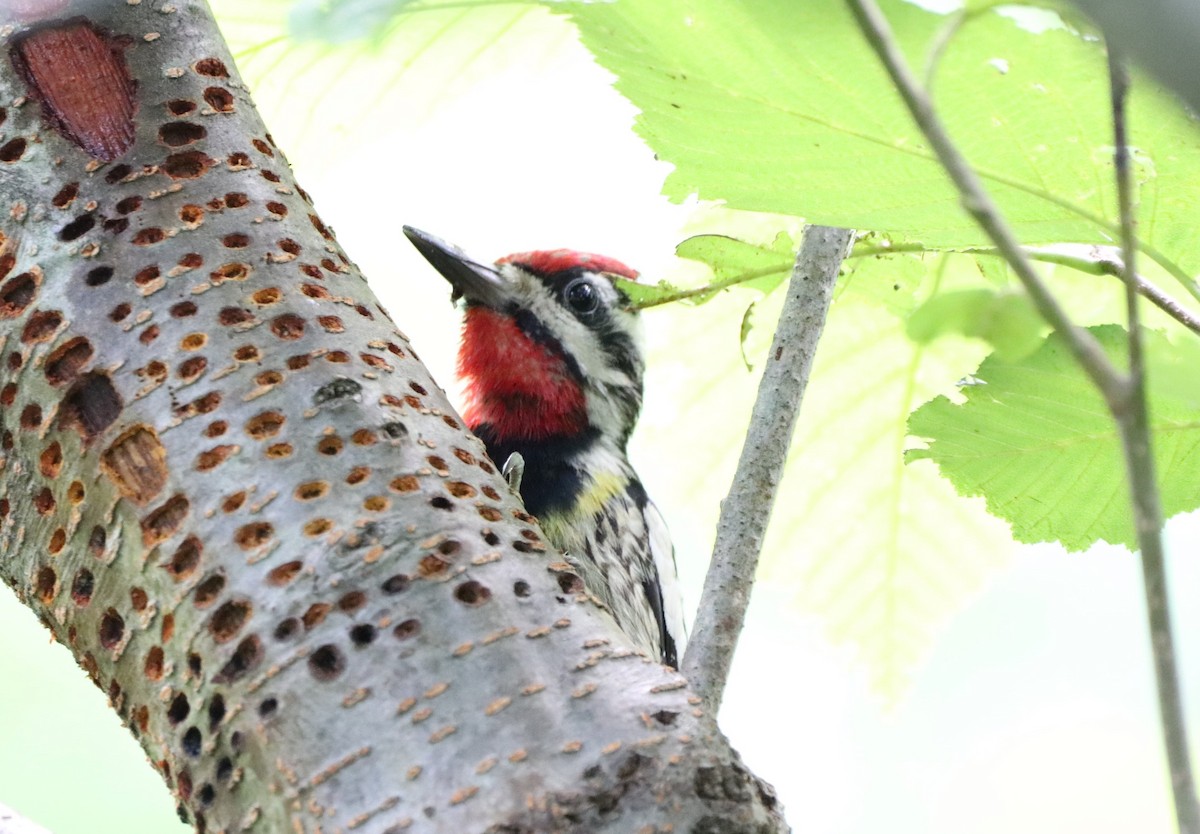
x=79 y=76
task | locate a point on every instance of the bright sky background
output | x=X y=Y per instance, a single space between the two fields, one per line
x=1034 y=713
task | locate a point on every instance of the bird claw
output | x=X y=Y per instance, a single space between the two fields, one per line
x=513 y=470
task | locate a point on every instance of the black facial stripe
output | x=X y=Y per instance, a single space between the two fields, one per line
x=531 y=326
x=620 y=347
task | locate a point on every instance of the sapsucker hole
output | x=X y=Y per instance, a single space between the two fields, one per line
x=521 y=588
x=177 y=713
x=432 y=566
x=47 y=583
x=351 y=602
x=570 y=583
x=363 y=634
x=491 y=538
x=97 y=541
x=219 y=99
x=191 y=742
x=472 y=593
x=395 y=430
x=267 y=707
x=67 y=194
x=17 y=294
x=326 y=663
x=208 y=590
x=77 y=228
x=287 y=629
x=285 y=573
x=185 y=559
x=82 y=587
x=315 y=615
x=128 y=205
x=522 y=546
x=177 y=134
x=247 y=655
x=441 y=502
x=195 y=664
x=205 y=796
x=117 y=173
x=98 y=276
x=407 y=629
x=665 y=717
x=153 y=667
x=112 y=629
x=460 y=489
x=216 y=711
x=224 y=769
x=228 y=620
x=395 y=584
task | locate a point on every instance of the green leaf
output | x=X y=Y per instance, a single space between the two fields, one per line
x=744 y=333
x=652 y=295
x=732 y=262
x=896 y=282
x=794 y=115
x=754 y=266
x=1035 y=439
x=1008 y=320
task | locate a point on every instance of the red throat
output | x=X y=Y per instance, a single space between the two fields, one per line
x=519 y=387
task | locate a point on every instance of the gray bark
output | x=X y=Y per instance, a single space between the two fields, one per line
x=230 y=487
x=747 y=508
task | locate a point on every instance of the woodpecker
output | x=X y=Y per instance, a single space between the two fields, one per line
x=552 y=365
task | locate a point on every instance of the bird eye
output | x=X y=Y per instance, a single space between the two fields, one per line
x=581 y=296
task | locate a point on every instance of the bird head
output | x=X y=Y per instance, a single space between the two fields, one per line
x=551 y=345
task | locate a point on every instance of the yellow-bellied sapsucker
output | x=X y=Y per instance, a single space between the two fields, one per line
x=552 y=362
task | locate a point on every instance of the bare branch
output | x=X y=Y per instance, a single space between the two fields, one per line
x=1147 y=513
x=747 y=509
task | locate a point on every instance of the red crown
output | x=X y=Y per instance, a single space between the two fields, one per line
x=550 y=261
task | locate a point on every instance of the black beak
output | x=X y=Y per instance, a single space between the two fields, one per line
x=477 y=283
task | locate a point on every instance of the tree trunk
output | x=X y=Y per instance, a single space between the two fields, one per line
x=232 y=489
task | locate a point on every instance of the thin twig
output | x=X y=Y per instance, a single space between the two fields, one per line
x=747 y=509
x=1081 y=257
x=1147 y=513
x=678 y=294
x=1113 y=385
